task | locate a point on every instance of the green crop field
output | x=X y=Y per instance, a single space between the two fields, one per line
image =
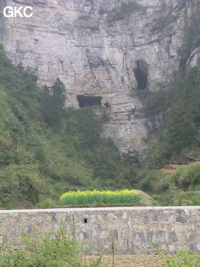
x=99 y=197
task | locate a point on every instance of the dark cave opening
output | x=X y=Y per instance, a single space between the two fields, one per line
x=141 y=74
x=89 y=100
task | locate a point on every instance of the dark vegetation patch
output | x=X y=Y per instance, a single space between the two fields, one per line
x=180 y=106
x=191 y=37
x=168 y=14
x=122 y=12
x=163 y=21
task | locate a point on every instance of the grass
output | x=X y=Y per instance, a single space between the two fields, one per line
x=181 y=258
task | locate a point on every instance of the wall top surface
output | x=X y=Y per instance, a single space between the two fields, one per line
x=102 y=209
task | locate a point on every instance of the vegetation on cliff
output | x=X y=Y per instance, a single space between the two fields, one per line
x=179 y=106
x=46 y=149
x=176 y=140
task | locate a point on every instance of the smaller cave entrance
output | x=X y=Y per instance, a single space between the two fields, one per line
x=89 y=100
x=141 y=74
x=107 y=105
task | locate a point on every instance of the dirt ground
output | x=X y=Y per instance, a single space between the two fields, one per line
x=172 y=168
x=131 y=261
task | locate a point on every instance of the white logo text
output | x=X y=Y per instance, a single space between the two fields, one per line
x=13 y=12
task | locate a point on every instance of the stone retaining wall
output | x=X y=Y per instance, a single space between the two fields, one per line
x=133 y=229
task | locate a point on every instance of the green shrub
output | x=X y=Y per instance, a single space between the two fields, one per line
x=53 y=249
x=196 y=198
x=47 y=204
x=188 y=177
x=182 y=258
x=151 y=181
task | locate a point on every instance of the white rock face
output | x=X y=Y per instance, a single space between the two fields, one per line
x=94 y=46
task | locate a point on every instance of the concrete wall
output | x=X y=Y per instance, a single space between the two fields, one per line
x=133 y=229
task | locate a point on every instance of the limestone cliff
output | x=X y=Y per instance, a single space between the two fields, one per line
x=103 y=51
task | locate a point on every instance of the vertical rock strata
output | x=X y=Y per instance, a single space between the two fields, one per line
x=100 y=48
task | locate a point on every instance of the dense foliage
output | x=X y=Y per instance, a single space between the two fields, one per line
x=99 y=197
x=46 y=149
x=181 y=188
x=176 y=139
x=180 y=109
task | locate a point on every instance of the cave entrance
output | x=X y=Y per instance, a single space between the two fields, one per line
x=89 y=100
x=141 y=74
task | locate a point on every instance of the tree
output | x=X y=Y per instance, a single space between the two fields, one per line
x=53 y=104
